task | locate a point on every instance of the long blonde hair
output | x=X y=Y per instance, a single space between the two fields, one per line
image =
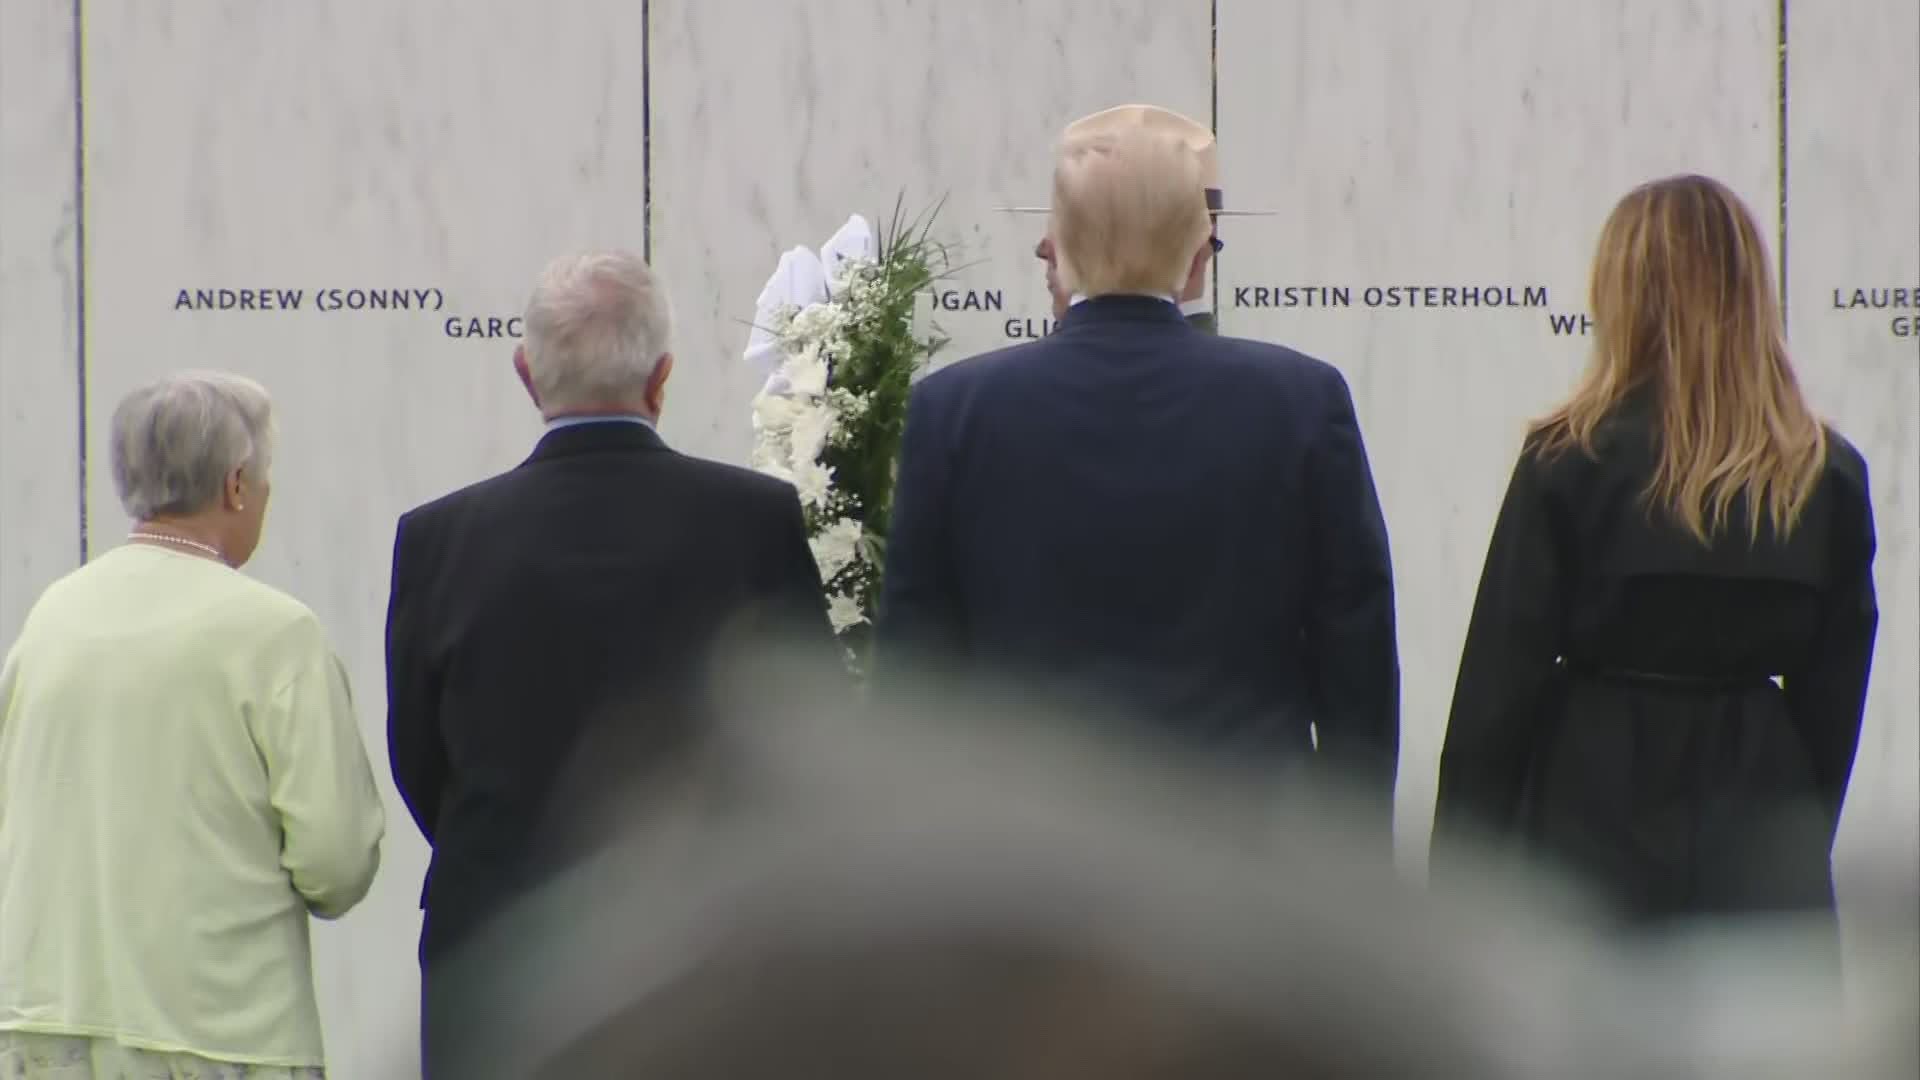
x=1684 y=309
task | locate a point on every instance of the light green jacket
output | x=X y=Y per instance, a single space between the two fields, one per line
x=182 y=783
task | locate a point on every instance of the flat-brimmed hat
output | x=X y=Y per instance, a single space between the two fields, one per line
x=1197 y=137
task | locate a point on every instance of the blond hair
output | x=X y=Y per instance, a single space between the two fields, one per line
x=1684 y=309
x=1129 y=212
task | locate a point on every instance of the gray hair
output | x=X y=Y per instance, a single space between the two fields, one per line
x=596 y=328
x=174 y=441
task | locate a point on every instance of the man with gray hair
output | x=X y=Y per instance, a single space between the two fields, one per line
x=550 y=629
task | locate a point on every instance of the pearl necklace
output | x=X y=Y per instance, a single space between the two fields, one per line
x=163 y=538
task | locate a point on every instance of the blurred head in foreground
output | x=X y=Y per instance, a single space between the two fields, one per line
x=971 y=893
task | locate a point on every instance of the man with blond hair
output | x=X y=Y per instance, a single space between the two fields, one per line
x=1198 y=138
x=552 y=630
x=1143 y=523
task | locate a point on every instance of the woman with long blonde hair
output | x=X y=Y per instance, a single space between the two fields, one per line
x=1662 y=683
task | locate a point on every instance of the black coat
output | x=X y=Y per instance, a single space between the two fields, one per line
x=1154 y=522
x=548 y=642
x=1673 y=723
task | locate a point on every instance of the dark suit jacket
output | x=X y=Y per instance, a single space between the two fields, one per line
x=548 y=638
x=1154 y=522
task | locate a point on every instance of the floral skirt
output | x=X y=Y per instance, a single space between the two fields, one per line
x=30 y=1056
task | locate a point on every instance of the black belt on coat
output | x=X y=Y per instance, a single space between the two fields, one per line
x=1663 y=680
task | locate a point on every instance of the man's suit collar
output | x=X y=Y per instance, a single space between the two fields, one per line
x=612 y=436
x=1111 y=309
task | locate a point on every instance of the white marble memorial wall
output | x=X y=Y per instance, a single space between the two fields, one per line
x=772 y=122
x=1416 y=153
x=1853 y=292
x=39 y=304
x=440 y=151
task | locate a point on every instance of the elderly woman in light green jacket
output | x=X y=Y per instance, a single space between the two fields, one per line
x=182 y=780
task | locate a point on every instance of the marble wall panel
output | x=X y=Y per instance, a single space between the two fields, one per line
x=1412 y=149
x=39 y=307
x=1853 y=292
x=442 y=150
x=772 y=122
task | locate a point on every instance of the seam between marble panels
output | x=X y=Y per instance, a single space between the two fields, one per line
x=1781 y=149
x=646 y=130
x=80 y=259
x=1213 y=77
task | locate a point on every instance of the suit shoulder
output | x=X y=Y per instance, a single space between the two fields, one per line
x=1846 y=471
x=1554 y=468
x=1285 y=359
x=1283 y=368
x=1845 y=461
x=748 y=483
x=443 y=505
x=964 y=372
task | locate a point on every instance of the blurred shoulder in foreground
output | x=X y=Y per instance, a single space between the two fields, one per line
x=972 y=891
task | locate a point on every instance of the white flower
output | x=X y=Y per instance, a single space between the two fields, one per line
x=813 y=481
x=807 y=437
x=814 y=400
x=854 y=278
x=806 y=372
x=781 y=320
x=837 y=350
x=836 y=547
x=770 y=456
x=774 y=413
x=845 y=614
x=815 y=323
x=849 y=406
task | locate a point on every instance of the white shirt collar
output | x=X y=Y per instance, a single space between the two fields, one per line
x=559 y=422
x=1168 y=297
x=1200 y=306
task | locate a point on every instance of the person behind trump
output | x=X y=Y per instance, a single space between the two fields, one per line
x=1133 y=518
x=182 y=780
x=550 y=629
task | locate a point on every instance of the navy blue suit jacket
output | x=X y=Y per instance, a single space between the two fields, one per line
x=1160 y=523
